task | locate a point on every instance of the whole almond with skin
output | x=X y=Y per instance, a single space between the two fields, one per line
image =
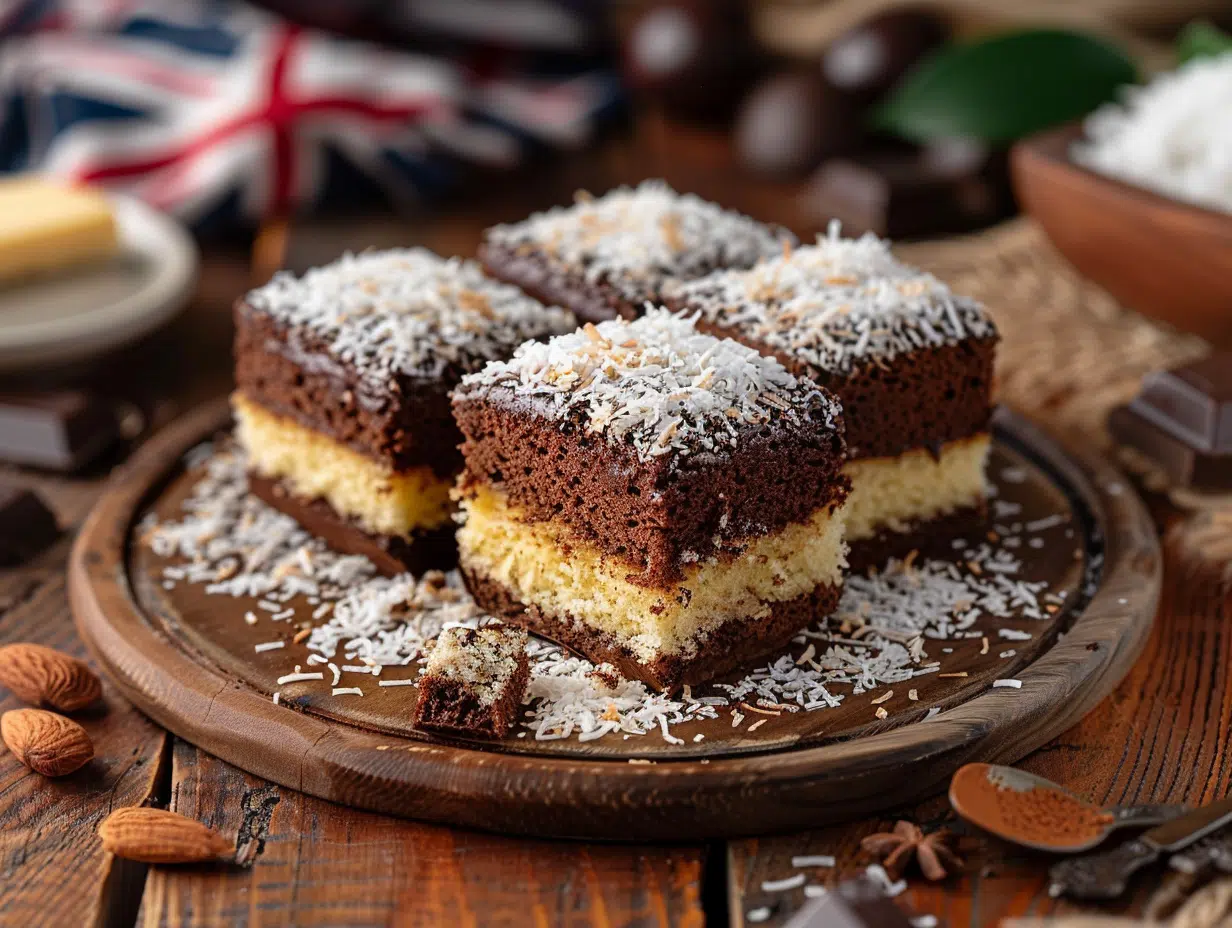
x=45 y=742
x=157 y=836
x=43 y=676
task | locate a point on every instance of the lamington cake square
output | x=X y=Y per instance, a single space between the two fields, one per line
x=911 y=362
x=605 y=258
x=652 y=496
x=473 y=681
x=342 y=407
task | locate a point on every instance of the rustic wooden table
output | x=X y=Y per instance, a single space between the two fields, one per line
x=1162 y=736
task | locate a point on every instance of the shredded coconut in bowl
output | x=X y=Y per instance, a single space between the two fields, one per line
x=1173 y=136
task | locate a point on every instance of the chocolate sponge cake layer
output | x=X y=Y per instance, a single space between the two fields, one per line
x=653 y=516
x=292 y=373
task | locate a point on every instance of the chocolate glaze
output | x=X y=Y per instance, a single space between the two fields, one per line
x=293 y=375
x=392 y=554
x=737 y=644
x=450 y=705
x=651 y=516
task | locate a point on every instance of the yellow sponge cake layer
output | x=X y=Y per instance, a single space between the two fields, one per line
x=545 y=565
x=314 y=466
x=896 y=492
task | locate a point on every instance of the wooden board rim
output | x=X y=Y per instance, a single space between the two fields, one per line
x=583 y=798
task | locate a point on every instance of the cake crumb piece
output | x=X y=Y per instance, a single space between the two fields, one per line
x=474 y=680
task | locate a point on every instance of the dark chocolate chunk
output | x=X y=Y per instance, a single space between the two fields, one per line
x=872 y=57
x=62 y=431
x=27 y=526
x=692 y=56
x=791 y=122
x=852 y=904
x=1182 y=420
x=946 y=188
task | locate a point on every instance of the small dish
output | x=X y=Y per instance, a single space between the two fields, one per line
x=1161 y=257
x=74 y=315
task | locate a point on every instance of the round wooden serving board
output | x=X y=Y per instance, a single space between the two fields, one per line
x=187 y=660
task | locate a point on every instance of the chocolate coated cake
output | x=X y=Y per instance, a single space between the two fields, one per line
x=911 y=362
x=652 y=496
x=606 y=257
x=342 y=393
x=473 y=681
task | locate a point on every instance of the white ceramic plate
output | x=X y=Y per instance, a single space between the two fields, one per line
x=74 y=315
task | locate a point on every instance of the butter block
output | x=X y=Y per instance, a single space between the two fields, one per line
x=47 y=226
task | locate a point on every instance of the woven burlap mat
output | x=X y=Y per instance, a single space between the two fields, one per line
x=1070 y=353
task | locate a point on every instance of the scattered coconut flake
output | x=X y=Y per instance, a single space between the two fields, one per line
x=1011 y=684
x=268 y=646
x=346 y=691
x=781 y=886
x=813 y=860
x=299 y=677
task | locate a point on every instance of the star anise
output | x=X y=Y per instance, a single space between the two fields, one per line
x=896 y=849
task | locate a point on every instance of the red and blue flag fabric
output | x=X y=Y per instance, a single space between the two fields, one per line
x=220 y=112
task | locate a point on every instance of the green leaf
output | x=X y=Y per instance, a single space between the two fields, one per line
x=1004 y=87
x=1200 y=39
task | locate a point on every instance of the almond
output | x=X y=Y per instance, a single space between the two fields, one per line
x=41 y=676
x=156 y=836
x=45 y=742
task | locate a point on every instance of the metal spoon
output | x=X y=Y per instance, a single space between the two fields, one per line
x=972 y=799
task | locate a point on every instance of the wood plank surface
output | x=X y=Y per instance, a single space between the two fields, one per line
x=323 y=864
x=1162 y=736
x=52 y=867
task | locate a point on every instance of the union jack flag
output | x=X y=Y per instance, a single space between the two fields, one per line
x=220 y=111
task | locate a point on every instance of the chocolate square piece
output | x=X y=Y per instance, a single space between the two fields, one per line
x=342 y=393
x=473 y=681
x=911 y=362
x=62 y=431
x=27 y=526
x=652 y=496
x=1182 y=420
x=605 y=257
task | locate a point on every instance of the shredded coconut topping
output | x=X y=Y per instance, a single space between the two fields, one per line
x=657 y=384
x=836 y=304
x=1173 y=136
x=635 y=239
x=407 y=312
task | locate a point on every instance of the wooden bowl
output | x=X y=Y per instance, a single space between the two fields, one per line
x=1165 y=259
